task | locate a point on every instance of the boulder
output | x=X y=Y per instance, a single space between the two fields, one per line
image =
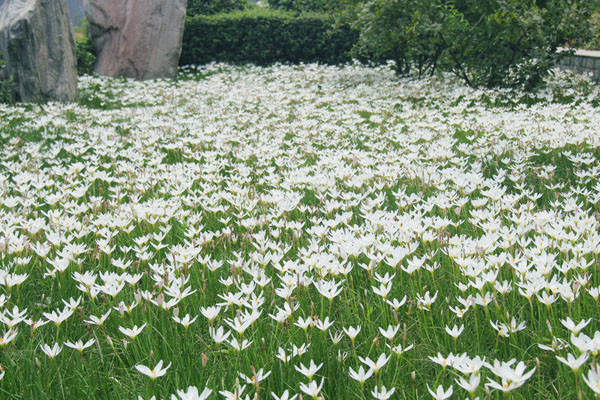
x=139 y=39
x=36 y=41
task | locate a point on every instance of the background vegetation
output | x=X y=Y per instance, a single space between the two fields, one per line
x=5 y=83
x=594 y=43
x=264 y=36
x=209 y=7
x=491 y=43
x=86 y=52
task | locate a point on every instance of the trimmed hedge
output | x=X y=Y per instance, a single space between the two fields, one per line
x=266 y=36
x=308 y=5
x=209 y=7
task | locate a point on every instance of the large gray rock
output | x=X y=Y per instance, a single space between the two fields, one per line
x=138 y=39
x=37 y=44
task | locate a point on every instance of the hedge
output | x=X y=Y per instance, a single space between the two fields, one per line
x=266 y=36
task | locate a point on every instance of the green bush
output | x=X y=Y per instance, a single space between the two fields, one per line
x=210 y=7
x=264 y=36
x=85 y=50
x=594 y=42
x=510 y=43
x=6 y=83
x=307 y=5
x=406 y=31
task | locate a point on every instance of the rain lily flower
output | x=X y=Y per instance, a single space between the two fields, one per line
x=574 y=363
x=575 y=328
x=98 y=320
x=186 y=321
x=381 y=393
x=284 y=396
x=155 y=372
x=133 y=332
x=51 y=352
x=310 y=371
x=79 y=345
x=440 y=393
x=8 y=337
x=375 y=365
x=471 y=384
x=312 y=389
x=593 y=379
x=235 y=395
x=455 y=331
x=360 y=375
x=352 y=332
x=192 y=394
x=256 y=378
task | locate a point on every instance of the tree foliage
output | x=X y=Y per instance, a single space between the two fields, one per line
x=512 y=43
x=85 y=50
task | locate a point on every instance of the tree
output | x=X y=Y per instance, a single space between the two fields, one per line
x=405 y=31
x=511 y=43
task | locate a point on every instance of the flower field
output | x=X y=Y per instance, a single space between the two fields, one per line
x=301 y=232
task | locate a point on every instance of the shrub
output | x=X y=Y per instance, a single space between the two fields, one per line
x=85 y=50
x=264 y=36
x=307 y=5
x=405 y=31
x=490 y=43
x=594 y=42
x=209 y=7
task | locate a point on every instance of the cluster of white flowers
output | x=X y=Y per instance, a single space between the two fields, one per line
x=276 y=197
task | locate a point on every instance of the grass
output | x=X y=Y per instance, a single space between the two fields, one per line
x=178 y=195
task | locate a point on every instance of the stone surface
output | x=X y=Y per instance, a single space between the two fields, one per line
x=583 y=62
x=138 y=39
x=75 y=10
x=36 y=40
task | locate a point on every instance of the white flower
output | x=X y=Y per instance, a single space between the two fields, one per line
x=218 y=335
x=398 y=349
x=8 y=337
x=511 y=378
x=455 y=331
x=360 y=375
x=381 y=393
x=575 y=328
x=312 y=389
x=155 y=372
x=284 y=396
x=375 y=365
x=98 y=320
x=256 y=378
x=79 y=345
x=352 y=332
x=470 y=385
x=53 y=351
x=593 y=379
x=310 y=371
x=192 y=394
x=574 y=363
x=390 y=332
x=185 y=321
x=133 y=332
x=440 y=393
